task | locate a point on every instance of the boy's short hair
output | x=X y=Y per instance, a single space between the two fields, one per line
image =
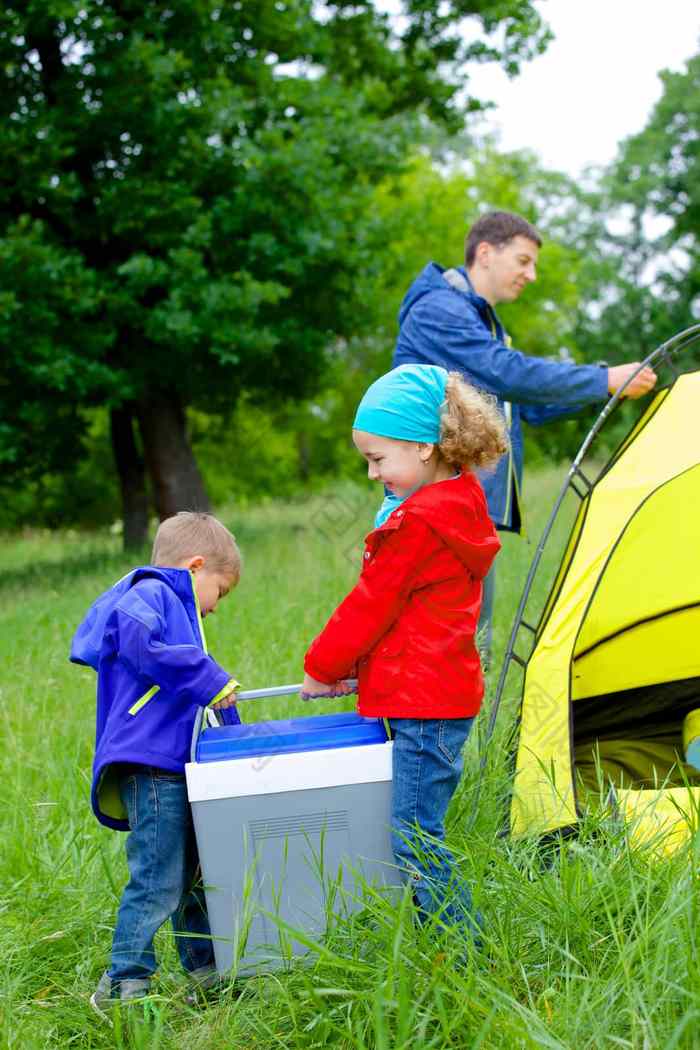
x=189 y=533
x=497 y=228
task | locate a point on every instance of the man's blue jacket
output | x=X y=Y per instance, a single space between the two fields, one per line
x=145 y=639
x=442 y=321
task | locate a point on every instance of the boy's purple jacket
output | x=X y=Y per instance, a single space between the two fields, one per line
x=144 y=637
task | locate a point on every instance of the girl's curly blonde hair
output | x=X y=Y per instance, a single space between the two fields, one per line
x=473 y=432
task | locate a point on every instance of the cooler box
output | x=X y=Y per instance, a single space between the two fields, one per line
x=285 y=813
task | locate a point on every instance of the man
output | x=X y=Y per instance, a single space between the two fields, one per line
x=447 y=318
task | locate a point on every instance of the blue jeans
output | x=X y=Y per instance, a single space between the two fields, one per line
x=163 y=864
x=427 y=765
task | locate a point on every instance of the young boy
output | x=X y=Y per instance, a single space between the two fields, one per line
x=145 y=639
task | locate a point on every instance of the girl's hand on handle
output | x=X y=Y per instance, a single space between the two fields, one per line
x=640 y=385
x=311 y=687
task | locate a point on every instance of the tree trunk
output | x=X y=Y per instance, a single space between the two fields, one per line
x=304 y=453
x=172 y=468
x=132 y=476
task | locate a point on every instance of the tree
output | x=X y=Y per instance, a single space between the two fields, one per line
x=185 y=205
x=649 y=287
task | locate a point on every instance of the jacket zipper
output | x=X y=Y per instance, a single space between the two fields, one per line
x=200 y=623
x=509 y=479
x=512 y=478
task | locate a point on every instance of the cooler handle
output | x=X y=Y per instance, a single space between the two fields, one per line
x=209 y=716
x=285 y=690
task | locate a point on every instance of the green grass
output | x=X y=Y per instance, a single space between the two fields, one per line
x=594 y=948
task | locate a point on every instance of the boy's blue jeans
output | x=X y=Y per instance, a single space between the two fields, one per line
x=163 y=861
x=427 y=765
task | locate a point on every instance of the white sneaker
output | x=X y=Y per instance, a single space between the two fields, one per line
x=110 y=994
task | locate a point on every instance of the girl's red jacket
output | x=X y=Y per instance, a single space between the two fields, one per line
x=407 y=629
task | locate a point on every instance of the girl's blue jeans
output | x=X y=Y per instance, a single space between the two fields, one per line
x=163 y=864
x=427 y=765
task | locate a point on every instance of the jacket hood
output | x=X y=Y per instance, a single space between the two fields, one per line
x=87 y=641
x=431 y=279
x=456 y=510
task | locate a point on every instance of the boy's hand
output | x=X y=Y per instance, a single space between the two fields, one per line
x=226 y=701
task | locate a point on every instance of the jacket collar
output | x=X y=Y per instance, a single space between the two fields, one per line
x=459 y=279
x=178 y=580
x=456 y=510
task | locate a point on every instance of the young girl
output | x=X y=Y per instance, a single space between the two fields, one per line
x=407 y=629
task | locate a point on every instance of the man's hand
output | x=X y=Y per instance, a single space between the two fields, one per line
x=640 y=385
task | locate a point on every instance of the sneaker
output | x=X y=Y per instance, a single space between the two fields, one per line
x=204 y=982
x=109 y=993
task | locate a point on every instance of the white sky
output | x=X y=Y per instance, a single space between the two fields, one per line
x=596 y=83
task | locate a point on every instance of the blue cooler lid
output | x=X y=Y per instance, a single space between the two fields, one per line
x=318 y=733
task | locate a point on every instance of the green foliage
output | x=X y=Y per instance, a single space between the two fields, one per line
x=647 y=281
x=82 y=491
x=277 y=447
x=53 y=350
x=185 y=196
x=251 y=455
x=661 y=164
x=426 y=211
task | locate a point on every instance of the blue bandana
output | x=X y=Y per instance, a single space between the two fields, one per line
x=405 y=404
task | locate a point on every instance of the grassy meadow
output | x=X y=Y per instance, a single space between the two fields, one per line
x=596 y=948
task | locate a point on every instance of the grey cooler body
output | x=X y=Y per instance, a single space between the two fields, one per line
x=287 y=840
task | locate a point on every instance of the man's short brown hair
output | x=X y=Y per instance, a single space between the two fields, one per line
x=189 y=533
x=497 y=228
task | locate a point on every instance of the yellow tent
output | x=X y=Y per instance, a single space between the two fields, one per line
x=615 y=661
